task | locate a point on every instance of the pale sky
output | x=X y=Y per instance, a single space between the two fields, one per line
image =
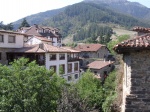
x=12 y=10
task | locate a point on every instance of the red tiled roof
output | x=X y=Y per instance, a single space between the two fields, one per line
x=70 y=49
x=29 y=49
x=89 y=47
x=138 y=43
x=50 y=48
x=141 y=29
x=40 y=48
x=99 y=64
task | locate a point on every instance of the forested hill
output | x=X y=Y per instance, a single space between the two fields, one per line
x=79 y=16
x=39 y=17
x=132 y=8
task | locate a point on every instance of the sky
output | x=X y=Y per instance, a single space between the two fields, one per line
x=12 y=10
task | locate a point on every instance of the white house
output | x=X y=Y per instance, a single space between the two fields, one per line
x=51 y=57
x=9 y=39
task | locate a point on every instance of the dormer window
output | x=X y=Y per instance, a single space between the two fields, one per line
x=11 y=39
x=1 y=38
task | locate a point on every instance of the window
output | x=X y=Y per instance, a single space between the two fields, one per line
x=11 y=39
x=62 y=56
x=52 y=57
x=95 y=72
x=1 y=38
x=62 y=69
x=76 y=76
x=76 y=67
x=70 y=67
x=53 y=68
x=69 y=78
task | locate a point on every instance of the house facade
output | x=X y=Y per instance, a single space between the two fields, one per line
x=136 y=77
x=8 y=41
x=41 y=50
x=51 y=57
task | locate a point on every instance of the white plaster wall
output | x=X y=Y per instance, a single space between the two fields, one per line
x=19 y=41
x=72 y=74
x=55 y=42
x=56 y=62
x=33 y=41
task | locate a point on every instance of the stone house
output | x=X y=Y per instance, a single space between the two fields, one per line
x=91 y=52
x=136 y=81
x=101 y=68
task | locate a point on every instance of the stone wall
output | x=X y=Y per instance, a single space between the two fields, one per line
x=136 y=86
x=3 y=52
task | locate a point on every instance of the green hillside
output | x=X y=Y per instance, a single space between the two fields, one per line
x=80 y=17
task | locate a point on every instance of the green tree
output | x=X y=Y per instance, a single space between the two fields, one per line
x=90 y=91
x=24 y=23
x=27 y=87
x=109 y=88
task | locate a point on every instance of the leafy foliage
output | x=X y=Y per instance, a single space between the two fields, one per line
x=121 y=38
x=109 y=92
x=6 y=27
x=28 y=88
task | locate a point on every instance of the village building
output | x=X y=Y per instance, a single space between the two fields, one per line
x=42 y=31
x=91 y=52
x=101 y=69
x=136 y=53
x=41 y=50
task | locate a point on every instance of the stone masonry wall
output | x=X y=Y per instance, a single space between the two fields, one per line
x=138 y=99
x=3 y=52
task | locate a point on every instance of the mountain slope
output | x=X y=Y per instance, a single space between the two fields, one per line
x=132 y=8
x=81 y=15
x=39 y=17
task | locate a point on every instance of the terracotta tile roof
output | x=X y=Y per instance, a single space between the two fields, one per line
x=29 y=49
x=33 y=30
x=138 y=43
x=89 y=47
x=11 y=32
x=43 y=39
x=50 y=48
x=71 y=49
x=40 y=48
x=141 y=29
x=99 y=64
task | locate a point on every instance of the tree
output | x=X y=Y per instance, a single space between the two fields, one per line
x=27 y=87
x=24 y=23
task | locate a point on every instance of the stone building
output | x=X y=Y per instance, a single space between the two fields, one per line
x=91 y=52
x=136 y=81
x=101 y=69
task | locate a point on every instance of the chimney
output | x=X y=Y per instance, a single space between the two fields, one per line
x=41 y=46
